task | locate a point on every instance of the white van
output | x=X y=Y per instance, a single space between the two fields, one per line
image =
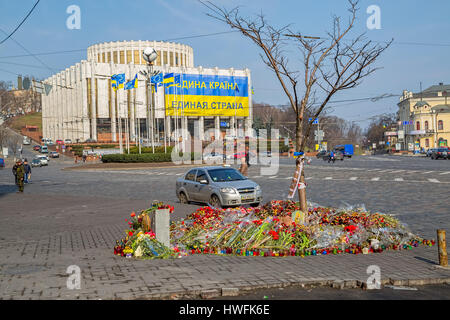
x=26 y=140
x=44 y=149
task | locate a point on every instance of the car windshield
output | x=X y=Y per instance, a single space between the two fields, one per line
x=222 y=175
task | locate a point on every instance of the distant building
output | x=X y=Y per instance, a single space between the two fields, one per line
x=82 y=104
x=425 y=118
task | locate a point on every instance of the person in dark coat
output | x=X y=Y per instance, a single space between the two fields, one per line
x=27 y=167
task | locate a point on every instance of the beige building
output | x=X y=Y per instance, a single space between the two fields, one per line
x=425 y=118
x=82 y=104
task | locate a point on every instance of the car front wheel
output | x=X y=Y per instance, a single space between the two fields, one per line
x=254 y=205
x=183 y=198
x=215 y=201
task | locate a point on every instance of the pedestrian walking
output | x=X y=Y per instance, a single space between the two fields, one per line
x=331 y=158
x=27 y=167
x=19 y=174
x=84 y=158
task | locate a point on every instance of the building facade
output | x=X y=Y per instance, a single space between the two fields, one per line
x=424 y=118
x=82 y=104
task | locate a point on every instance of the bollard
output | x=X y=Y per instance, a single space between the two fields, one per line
x=442 y=248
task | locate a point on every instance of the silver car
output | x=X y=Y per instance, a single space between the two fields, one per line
x=218 y=186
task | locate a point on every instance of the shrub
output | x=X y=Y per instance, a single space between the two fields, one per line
x=135 y=150
x=144 y=157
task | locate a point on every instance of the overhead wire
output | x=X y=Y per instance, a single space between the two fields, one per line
x=20 y=24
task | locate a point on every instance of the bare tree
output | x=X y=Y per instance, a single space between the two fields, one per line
x=330 y=65
x=4 y=135
x=14 y=143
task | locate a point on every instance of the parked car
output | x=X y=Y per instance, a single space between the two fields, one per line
x=37 y=148
x=43 y=149
x=54 y=154
x=59 y=141
x=440 y=153
x=36 y=163
x=26 y=141
x=345 y=149
x=337 y=156
x=67 y=141
x=321 y=154
x=2 y=163
x=92 y=140
x=430 y=151
x=218 y=186
x=43 y=159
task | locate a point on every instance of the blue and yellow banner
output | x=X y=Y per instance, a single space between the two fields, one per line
x=117 y=81
x=206 y=95
x=132 y=83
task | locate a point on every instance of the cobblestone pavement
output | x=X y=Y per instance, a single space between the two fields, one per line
x=73 y=218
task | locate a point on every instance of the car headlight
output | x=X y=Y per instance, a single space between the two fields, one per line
x=227 y=190
x=258 y=188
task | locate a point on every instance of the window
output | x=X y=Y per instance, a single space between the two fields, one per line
x=103 y=57
x=128 y=56
x=137 y=57
x=426 y=125
x=201 y=175
x=164 y=62
x=158 y=58
x=191 y=175
x=122 y=57
x=440 y=125
x=171 y=59
x=176 y=59
x=109 y=57
x=115 y=56
x=427 y=141
x=98 y=57
x=221 y=175
x=417 y=125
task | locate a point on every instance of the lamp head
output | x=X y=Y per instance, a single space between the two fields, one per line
x=149 y=54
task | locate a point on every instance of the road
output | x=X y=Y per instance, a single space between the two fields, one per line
x=75 y=216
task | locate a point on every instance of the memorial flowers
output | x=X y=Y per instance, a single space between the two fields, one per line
x=276 y=229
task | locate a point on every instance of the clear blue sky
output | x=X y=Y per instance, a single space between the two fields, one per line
x=404 y=66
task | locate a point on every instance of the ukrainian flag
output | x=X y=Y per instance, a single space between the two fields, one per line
x=168 y=79
x=117 y=81
x=132 y=83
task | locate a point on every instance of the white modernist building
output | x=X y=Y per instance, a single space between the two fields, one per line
x=82 y=104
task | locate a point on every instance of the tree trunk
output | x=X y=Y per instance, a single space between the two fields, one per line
x=298 y=143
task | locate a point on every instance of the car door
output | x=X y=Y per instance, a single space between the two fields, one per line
x=201 y=191
x=188 y=183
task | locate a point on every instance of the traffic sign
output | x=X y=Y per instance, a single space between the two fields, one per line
x=316 y=121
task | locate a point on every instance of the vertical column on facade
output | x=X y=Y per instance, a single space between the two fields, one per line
x=217 y=127
x=201 y=128
x=184 y=128
x=133 y=106
x=51 y=110
x=64 y=98
x=93 y=104
x=249 y=119
x=59 y=107
x=73 y=103
x=79 y=104
x=85 y=107
x=68 y=104
x=232 y=124
x=113 y=108
x=168 y=129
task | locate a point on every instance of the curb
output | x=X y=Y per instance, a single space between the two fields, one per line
x=337 y=284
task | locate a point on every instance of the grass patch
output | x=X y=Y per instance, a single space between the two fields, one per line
x=31 y=119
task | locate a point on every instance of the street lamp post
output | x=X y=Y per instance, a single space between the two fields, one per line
x=150 y=55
